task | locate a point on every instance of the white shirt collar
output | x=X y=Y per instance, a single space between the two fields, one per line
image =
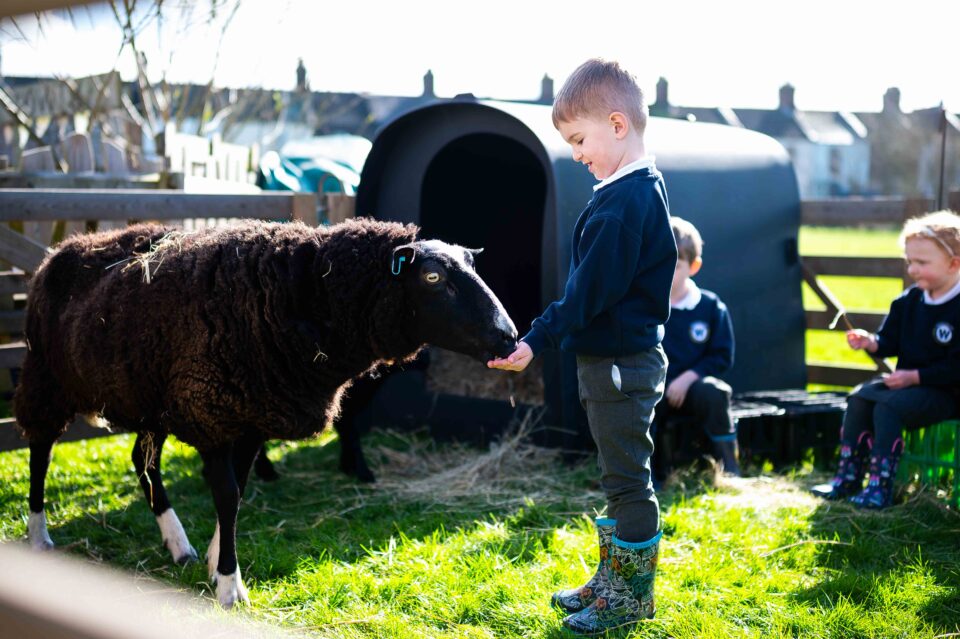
x=691 y=299
x=949 y=295
x=646 y=162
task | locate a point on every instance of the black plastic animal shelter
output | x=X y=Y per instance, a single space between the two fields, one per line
x=497 y=175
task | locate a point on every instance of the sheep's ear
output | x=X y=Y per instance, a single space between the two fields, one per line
x=402 y=255
x=472 y=254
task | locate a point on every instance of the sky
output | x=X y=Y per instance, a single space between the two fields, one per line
x=839 y=54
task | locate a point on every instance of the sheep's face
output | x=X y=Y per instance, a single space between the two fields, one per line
x=453 y=307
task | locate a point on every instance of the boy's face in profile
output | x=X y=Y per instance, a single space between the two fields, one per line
x=597 y=142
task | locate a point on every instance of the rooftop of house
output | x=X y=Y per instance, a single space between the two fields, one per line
x=329 y=112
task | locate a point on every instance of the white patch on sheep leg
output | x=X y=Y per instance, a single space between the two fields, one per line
x=175 y=538
x=37 y=532
x=230 y=589
x=213 y=556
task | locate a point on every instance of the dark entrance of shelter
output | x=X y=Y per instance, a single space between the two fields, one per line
x=488 y=191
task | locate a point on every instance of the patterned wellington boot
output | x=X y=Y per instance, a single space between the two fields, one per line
x=577 y=599
x=879 y=490
x=626 y=597
x=849 y=478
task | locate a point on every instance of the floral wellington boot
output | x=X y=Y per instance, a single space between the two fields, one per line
x=626 y=596
x=849 y=478
x=879 y=490
x=576 y=599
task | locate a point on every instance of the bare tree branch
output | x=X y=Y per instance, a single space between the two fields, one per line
x=18 y=114
x=146 y=89
x=216 y=61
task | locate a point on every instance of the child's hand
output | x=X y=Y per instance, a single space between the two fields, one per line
x=516 y=361
x=902 y=379
x=677 y=390
x=861 y=339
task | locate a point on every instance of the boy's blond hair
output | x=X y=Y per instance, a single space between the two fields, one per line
x=689 y=242
x=598 y=88
x=943 y=227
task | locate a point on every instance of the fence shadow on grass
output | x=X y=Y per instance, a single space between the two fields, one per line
x=889 y=547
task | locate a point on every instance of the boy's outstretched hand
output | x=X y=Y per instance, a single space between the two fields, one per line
x=516 y=361
x=861 y=339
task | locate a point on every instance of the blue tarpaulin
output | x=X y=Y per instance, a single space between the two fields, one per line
x=323 y=164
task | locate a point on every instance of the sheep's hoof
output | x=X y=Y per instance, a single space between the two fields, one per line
x=359 y=470
x=37 y=532
x=42 y=545
x=230 y=590
x=188 y=557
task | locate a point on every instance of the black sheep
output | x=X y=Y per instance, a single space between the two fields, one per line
x=228 y=337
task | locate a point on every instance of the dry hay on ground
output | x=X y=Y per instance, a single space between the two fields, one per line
x=512 y=471
x=455 y=374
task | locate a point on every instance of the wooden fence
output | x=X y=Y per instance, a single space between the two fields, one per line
x=852 y=212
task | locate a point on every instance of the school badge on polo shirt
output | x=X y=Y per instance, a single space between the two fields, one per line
x=699 y=332
x=943 y=333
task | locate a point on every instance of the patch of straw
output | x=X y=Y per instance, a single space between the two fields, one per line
x=512 y=470
x=156 y=254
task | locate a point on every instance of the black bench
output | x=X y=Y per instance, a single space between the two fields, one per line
x=778 y=426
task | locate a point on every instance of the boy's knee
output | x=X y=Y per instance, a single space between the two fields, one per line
x=714 y=392
x=858 y=405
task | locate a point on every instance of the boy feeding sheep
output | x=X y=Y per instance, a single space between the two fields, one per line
x=615 y=303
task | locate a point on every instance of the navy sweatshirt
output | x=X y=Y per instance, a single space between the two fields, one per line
x=617 y=295
x=699 y=339
x=924 y=337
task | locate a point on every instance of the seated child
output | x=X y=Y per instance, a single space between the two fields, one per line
x=921 y=330
x=699 y=346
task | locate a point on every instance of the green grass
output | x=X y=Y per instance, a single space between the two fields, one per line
x=446 y=547
x=856 y=242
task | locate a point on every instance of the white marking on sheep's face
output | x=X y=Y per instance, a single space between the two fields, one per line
x=453 y=306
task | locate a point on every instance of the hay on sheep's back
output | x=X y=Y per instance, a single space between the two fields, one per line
x=455 y=374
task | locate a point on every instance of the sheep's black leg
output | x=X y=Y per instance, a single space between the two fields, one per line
x=41 y=413
x=352 y=461
x=37 y=523
x=218 y=470
x=263 y=467
x=245 y=451
x=146 y=461
x=147 y=451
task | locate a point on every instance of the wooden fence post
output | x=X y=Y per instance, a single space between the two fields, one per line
x=305 y=208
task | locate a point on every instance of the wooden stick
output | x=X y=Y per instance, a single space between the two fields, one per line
x=832 y=303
